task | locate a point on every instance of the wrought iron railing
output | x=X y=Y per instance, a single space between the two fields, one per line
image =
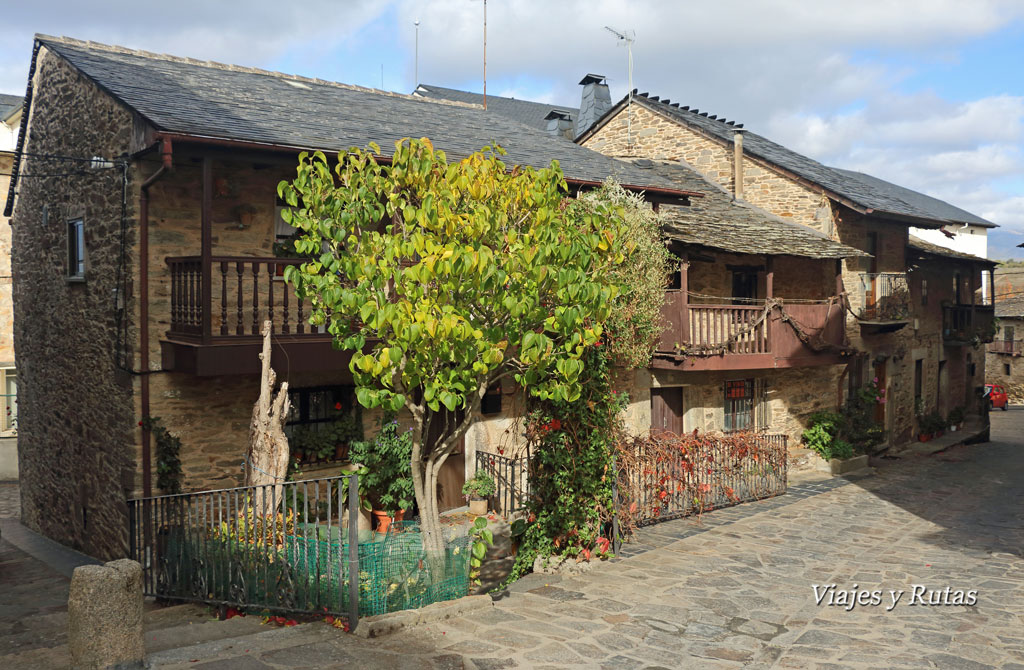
x=885 y=296
x=657 y=487
x=511 y=479
x=288 y=548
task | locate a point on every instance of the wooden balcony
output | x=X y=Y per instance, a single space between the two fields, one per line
x=884 y=301
x=217 y=312
x=747 y=337
x=964 y=324
x=1008 y=347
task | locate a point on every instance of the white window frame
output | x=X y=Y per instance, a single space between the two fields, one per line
x=6 y=425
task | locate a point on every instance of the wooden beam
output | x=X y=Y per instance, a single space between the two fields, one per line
x=206 y=225
x=684 y=300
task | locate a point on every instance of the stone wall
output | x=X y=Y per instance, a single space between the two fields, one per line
x=996 y=363
x=6 y=302
x=660 y=137
x=76 y=419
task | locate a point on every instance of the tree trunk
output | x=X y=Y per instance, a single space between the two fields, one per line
x=267 y=459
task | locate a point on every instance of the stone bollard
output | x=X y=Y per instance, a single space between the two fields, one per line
x=105 y=616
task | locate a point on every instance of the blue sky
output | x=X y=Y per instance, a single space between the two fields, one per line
x=926 y=93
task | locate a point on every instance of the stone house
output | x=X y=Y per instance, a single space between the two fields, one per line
x=895 y=334
x=154 y=260
x=10 y=116
x=1004 y=364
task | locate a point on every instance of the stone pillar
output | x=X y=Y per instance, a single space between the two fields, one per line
x=105 y=616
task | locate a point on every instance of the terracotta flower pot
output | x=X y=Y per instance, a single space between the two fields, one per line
x=382 y=520
x=924 y=437
x=340 y=452
x=478 y=506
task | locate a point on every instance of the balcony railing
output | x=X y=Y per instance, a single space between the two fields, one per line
x=243 y=292
x=747 y=335
x=885 y=296
x=962 y=323
x=1011 y=347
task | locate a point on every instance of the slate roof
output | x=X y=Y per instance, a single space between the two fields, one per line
x=1011 y=307
x=524 y=111
x=9 y=104
x=200 y=98
x=869 y=194
x=919 y=245
x=718 y=221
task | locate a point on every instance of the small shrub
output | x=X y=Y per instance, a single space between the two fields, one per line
x=480 y=486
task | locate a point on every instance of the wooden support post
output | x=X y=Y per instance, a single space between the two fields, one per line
x=839 y=278
x=684 y=301
x=769 y=293
x=206 y=269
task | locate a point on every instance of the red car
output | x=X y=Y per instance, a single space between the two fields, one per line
x=996 y=395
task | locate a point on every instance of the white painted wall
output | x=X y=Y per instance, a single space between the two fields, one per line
x=9 y=132
x=966 y=239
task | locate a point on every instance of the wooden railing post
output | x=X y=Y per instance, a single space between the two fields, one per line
x=206 y=269
x=769 y=293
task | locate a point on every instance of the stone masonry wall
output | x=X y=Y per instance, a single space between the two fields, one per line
x=6 y=300
x=996 y=363
x=659 y=137
x=76 y=419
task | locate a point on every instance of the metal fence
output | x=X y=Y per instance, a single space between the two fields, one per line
x=288 y=547
x=709 y=475
x=511 y=480
x=885 y=295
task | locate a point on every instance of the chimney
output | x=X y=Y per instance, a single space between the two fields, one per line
x=560 y=123
x=595 y=101
x=737 y=164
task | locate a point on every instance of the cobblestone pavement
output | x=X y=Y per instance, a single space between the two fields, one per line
x=10 y=502
x=736 y=591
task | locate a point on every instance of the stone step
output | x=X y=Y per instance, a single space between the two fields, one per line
x=201 y=630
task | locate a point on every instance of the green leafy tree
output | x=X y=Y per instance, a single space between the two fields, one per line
x=444 y=278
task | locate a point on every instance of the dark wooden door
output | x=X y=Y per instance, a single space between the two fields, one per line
x=667 y=410
x=880 y=407
x=452 y=474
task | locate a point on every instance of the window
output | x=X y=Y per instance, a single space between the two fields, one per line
x=1006 y=369
x=745 y=406
x=918 y=382
x=314 y=411
x=924 y=291
x=744 y=286
x=491 y=402
x=76 y=249
x=9 y=395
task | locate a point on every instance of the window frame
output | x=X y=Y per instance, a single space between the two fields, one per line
x=7 y=427
x=76 y=264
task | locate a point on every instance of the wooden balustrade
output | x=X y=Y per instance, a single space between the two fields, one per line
x=244 y=291
x=744 y=330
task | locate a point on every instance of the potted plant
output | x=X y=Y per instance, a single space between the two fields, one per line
x=388 y=480
x=476 y=491
x=956 y=418
x=244 y=213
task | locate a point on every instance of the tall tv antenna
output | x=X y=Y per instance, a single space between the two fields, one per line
x=485 y=54
x=416 y=67
x=627 y=38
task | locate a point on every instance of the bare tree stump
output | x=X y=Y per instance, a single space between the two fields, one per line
x=267 y=460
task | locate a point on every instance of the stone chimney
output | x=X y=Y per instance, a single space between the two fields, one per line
x=737 y=164
x=595 y=101
x=560 y=123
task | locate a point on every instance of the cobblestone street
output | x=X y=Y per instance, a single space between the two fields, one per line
x=736 y=590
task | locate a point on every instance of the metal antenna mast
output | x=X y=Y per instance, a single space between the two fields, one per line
x=485 y=54
x=416 y=67
x=627 y=38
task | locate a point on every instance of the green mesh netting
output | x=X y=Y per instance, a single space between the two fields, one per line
x=309 y=570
